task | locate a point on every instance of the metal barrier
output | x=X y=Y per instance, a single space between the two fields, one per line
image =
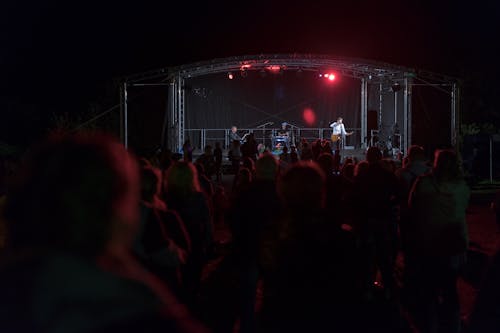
x=201 y=137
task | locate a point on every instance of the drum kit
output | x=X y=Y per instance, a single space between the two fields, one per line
x=279 y=141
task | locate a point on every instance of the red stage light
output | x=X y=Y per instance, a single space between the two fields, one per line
x=274 y=68
x=309 y=116
x=329 y=76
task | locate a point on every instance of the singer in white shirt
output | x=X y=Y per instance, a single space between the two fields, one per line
x=339 y=133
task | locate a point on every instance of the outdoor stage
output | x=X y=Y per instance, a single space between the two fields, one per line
x=268 y=139
x=204 y=99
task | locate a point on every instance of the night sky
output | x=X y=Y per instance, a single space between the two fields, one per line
x=60 y=56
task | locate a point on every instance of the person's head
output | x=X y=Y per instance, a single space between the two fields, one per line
x=361 y=168
x=199 y=168
x=326 y=163
x=165 y=159
x=405 y=161
x=248 y=163
x=283 y=125
x=339 y=120
x=447 y=165
x=234 y=129
x=77 y=193
x=416 y=153
x=261 y=148
x=388 y=164
x=373 y=155
x=347 y=170
x=302 y=187
x=176 y=157
x=220 y=190
x=208 y=150
x=150 y=183
x=243 y=177
x=266 y=167
x=143 y=161
x=182 y=179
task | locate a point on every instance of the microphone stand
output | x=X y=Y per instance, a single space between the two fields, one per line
x=263 y=126
x=292 y=134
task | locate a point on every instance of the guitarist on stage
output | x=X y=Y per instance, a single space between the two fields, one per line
x=233 y=135
x=339 y=133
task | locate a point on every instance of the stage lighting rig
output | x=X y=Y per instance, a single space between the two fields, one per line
x=330 y=76
x=396 y=87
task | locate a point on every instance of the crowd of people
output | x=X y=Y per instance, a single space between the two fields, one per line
x=100 y=240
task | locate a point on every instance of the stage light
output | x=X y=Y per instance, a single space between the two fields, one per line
x=274 y=68
x=396 y=87
x=243 y=69
x=328 y=76
x=309 y=116
x=230 y=76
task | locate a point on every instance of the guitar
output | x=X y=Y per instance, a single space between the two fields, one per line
x=338 y=137
x=243 y=139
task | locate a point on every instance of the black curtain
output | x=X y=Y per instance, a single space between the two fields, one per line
x=216 y=102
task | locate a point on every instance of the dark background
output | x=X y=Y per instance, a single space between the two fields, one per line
x=64 y=57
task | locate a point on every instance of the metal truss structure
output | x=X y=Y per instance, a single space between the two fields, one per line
x=370 y=73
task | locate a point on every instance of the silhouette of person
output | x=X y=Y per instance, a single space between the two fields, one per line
x=72 y=215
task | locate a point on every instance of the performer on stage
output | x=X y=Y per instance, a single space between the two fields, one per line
x=339 y=133
x=233 y=135
x=284 y=130
x=283 y=136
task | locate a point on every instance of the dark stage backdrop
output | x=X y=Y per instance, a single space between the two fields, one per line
x=216 y=102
